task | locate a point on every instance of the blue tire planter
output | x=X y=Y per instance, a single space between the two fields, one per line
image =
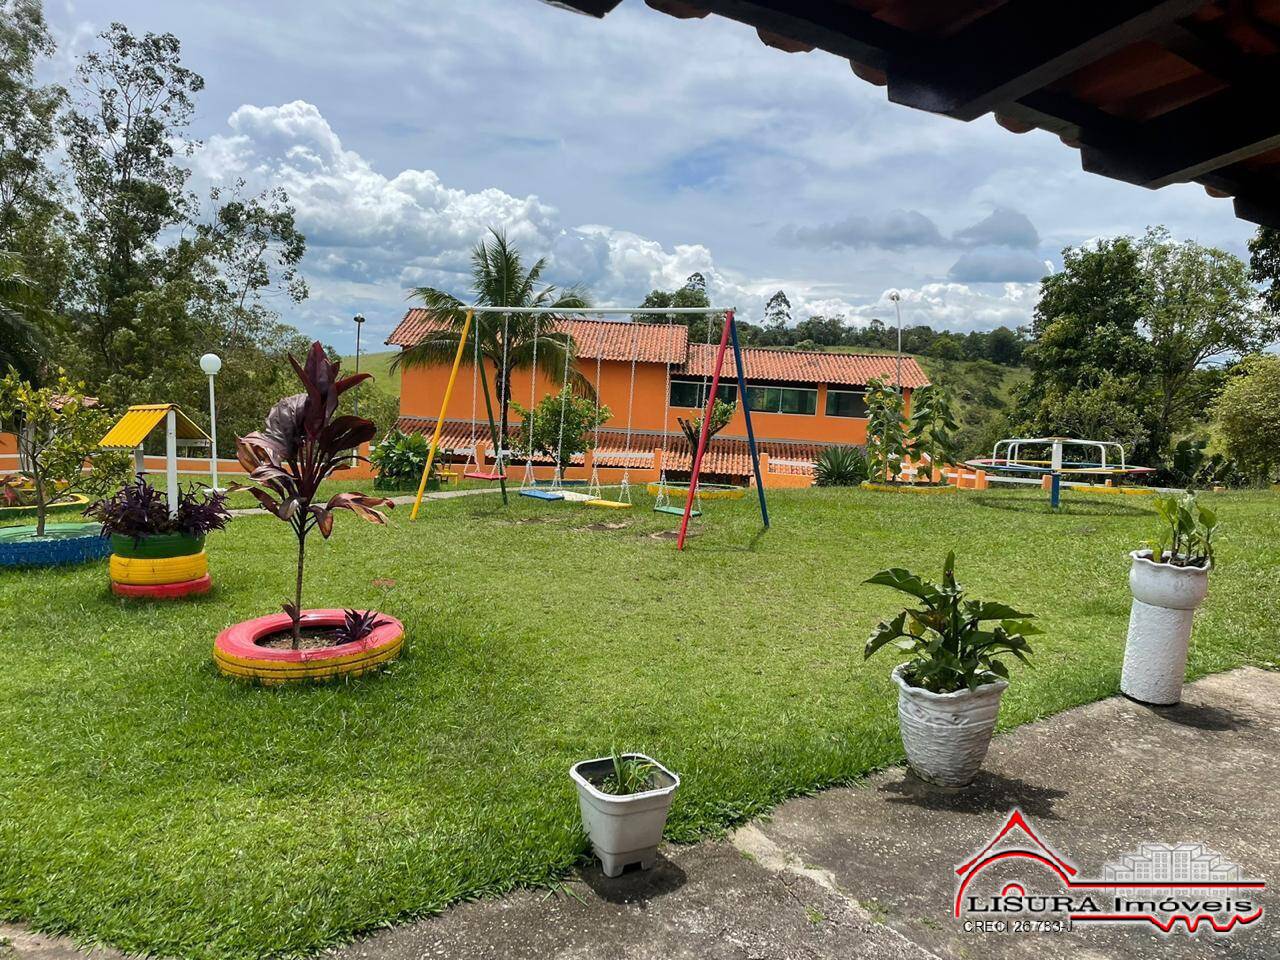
x=62 y=544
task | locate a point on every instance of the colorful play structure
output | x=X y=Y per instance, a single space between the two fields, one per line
x=664 y=491
x=1108 y=461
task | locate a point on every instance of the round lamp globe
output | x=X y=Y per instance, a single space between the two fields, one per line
x=210 y=363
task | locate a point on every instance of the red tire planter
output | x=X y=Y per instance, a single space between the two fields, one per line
x=237 y=654
x=162 y=591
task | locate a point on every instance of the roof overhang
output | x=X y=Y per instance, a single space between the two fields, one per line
x=1150 y=93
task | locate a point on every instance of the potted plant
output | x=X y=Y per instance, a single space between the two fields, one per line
x=304 y=442
x=949 y=691
x=1168 y=579
x=57 y=429
x=154 y=554
x=624 y=800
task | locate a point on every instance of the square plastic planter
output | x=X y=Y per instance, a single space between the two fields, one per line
x=623 y=829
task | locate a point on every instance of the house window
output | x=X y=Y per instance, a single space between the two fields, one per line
x=846 y=403
x=693 y=392
x=801 y=400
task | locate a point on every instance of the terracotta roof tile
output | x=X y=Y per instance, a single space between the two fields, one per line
x=801 y=366
x=605 y=339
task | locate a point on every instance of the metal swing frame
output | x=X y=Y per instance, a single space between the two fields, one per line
x=728 y=336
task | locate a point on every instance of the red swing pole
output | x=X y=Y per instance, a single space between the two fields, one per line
x=706 y=426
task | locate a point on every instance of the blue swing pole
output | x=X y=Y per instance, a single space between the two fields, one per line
x=746 y=412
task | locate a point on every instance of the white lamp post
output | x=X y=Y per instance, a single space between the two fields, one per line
x=897 y=305
x=211 y=363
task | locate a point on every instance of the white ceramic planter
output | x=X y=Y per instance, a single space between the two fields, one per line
x=946 y=735
x=623 y=829
x=1165 y=598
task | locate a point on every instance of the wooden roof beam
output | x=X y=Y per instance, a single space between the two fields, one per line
x=1021 y=47
x=1183 y=144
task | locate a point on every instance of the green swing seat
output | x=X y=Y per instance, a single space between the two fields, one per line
x=674 y=511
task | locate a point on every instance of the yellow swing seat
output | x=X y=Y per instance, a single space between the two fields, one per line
x=609 y=504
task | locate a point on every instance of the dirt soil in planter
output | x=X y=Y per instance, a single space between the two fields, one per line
x=313 y=638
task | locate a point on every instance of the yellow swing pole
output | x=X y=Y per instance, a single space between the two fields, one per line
x=435 y=438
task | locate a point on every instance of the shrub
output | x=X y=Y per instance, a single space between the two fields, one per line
x=950 y=649
x=138 y=509
x=1185 y=535
x=840 y=467
x=886 y=433
x=399 y=458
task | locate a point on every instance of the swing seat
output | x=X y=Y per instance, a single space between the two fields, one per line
x=573 y=496
x=484 y=475
x=675 y=511
x=609 y=504
x=537 y=494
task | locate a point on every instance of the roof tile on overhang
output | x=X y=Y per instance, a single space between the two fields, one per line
x=802 y=366
x=1151 y=93
x=603 y=339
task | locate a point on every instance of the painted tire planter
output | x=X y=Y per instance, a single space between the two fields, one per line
x=75 y=500
x=163 y=591
x=142 y=571
x=946 y=735
x=1165 y=598
x=62 y=544
x=627 y=828
x=237 y=653
x=156 y=545
x=706 y=491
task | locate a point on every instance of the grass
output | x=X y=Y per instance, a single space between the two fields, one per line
x=154 y=805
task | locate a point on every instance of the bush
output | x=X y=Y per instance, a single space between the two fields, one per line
x=138 y=509
x=399 y=458
x=840 y=467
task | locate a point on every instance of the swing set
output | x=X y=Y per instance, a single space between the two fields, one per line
x=593 y=497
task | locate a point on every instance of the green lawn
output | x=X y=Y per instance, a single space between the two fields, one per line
x=152 y=804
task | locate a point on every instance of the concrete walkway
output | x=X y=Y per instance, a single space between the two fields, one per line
x=398 y=501
x=868 y=871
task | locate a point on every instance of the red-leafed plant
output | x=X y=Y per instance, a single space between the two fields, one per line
x=302 y=445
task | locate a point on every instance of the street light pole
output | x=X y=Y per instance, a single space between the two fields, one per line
x=211 y=363
x=897 y=306
x=359 y=321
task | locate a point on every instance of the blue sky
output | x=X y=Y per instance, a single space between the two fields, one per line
x=630 y=152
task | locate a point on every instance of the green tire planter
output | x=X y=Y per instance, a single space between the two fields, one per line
x=156 y=546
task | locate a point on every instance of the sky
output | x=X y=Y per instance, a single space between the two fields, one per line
x=630 y=152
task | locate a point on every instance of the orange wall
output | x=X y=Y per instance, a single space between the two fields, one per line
x=422 y=391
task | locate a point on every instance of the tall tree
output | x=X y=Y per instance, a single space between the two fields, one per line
x=28 y=114
x=1247 y=416
x=1199 y=305
x=507 y=341
x=777 y=317
x=692 y=294
x=22 y=342
x=125 y=135
x=1264 y=265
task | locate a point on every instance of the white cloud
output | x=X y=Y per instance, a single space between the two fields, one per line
x=372 y=236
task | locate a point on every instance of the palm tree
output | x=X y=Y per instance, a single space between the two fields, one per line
x=21 y=341
x=506 y=340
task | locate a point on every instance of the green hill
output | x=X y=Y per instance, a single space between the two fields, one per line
x=379 y=364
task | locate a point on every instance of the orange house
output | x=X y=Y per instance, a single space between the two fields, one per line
x=649 y=375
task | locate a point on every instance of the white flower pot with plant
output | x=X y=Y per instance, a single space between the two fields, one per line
x=949 y=691
x=1168 y=581
x=624 y=800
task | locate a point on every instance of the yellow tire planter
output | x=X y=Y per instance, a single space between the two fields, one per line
x=706 y=491
x=238 y=654
x=138 y=571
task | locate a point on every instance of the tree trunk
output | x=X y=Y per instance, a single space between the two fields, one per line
x=297 y=595
x=42 y=509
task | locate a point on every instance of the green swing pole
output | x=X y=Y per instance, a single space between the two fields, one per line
x=493 y=429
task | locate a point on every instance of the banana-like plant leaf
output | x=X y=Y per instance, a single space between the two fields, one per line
x=907 y=582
